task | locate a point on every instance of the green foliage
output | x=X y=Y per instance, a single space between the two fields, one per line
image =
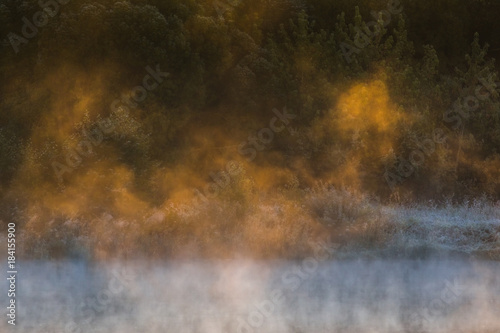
x=254 y=56
x=11 y=154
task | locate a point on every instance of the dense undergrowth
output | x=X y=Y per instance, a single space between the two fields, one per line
x=409 y=119
x=286 y=225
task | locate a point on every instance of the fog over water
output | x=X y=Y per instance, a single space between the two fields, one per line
x=164 y=164
x=311 y=295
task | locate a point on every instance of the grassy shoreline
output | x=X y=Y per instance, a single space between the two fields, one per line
x=283 y=226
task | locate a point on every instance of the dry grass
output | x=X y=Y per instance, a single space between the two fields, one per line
x=281 y=225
